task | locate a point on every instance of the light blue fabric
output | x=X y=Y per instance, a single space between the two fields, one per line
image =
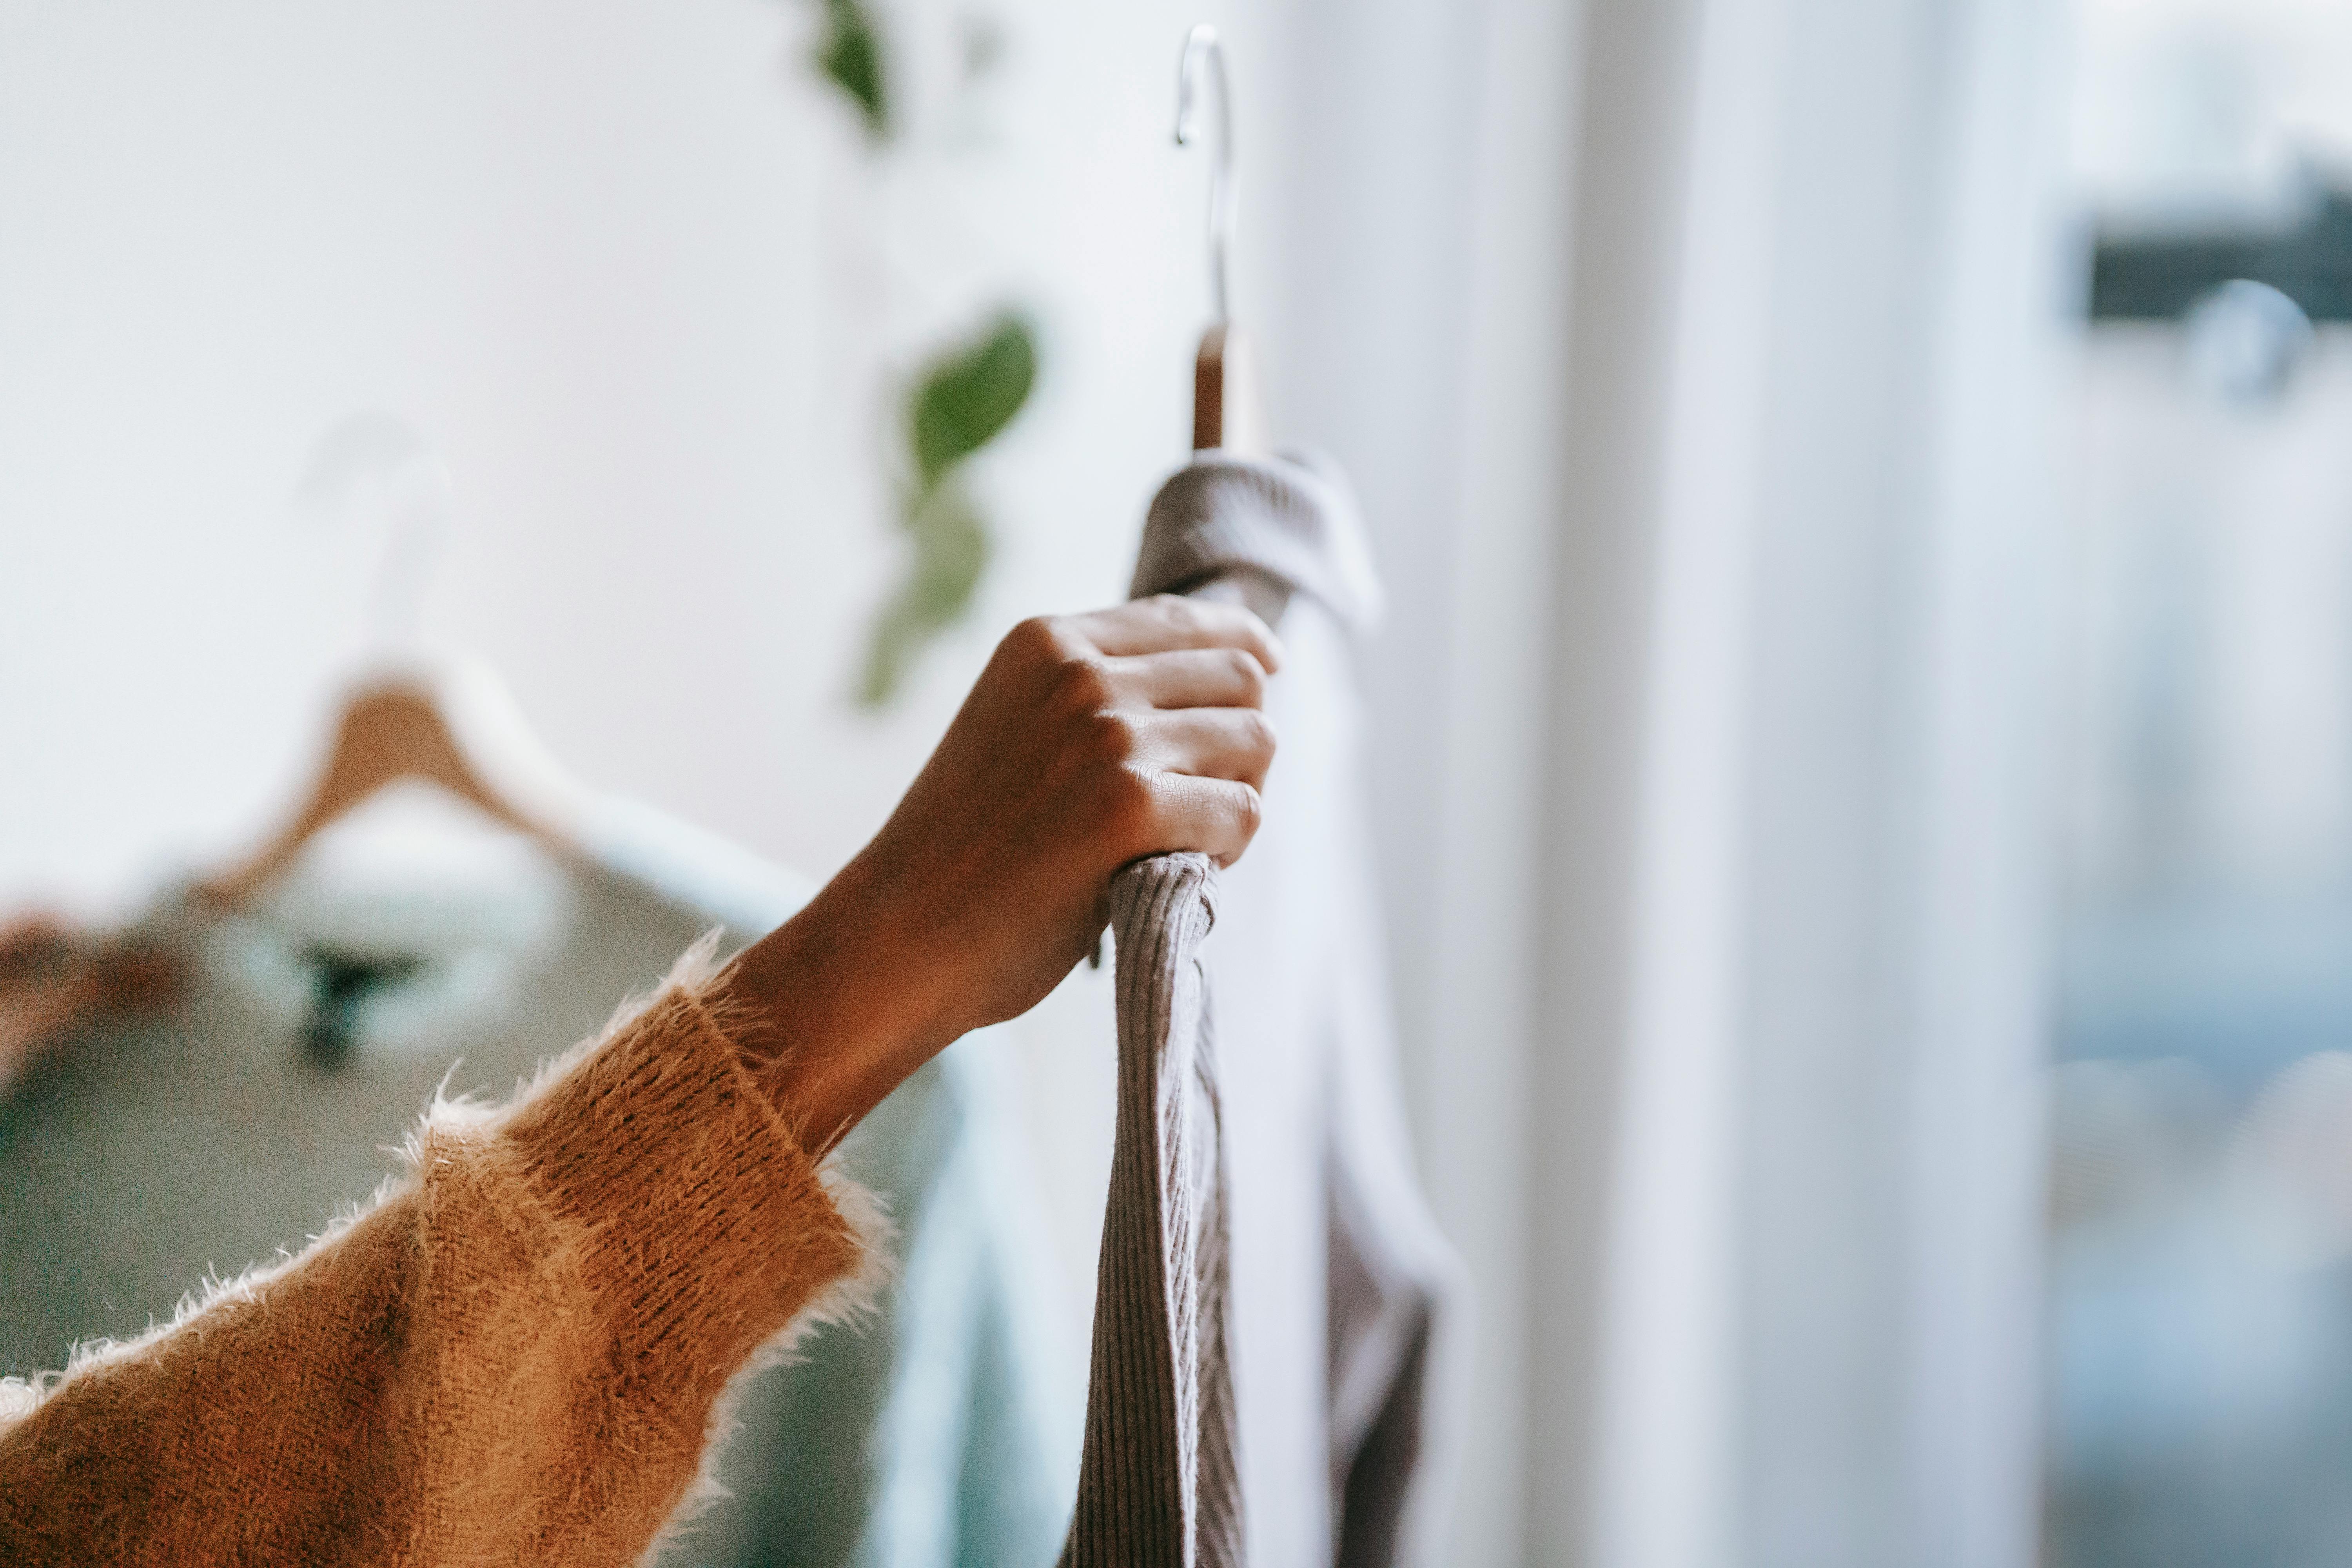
x=962 y=1461
x=154 y=1149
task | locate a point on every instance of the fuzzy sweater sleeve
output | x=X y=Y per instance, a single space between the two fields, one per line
x=515 y=1356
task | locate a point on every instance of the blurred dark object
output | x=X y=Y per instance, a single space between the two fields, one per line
x=2159 y=277
x=341 y=985
x=54 y=975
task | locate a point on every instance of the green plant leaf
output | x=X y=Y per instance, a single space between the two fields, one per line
x=850 y=56
x=952 y=551
x=962 y=402
x=968 y=397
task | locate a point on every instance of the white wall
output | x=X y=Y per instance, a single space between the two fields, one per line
x=629 y=271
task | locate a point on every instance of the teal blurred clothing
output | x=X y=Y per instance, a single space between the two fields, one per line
x=412 y=955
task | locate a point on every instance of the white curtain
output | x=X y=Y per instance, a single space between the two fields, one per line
x=1694 y=359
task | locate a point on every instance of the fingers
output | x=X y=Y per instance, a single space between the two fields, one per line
x=1235 y=743
x=1216 y=816
x=1167 y=622
x=1193 y=678
x=1158 y=702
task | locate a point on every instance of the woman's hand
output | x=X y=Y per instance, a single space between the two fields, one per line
x=1089 y=742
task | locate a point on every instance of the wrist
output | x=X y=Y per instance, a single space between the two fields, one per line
x=825 y=1010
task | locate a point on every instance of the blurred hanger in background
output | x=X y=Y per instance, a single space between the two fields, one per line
x=451 y=726
x=437 y=722
x=1228 y=410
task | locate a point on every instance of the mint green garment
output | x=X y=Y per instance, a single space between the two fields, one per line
x=153 y=1150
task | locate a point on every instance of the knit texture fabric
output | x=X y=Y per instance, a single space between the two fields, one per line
x=519 y=1353
x=1157 y=1484
x=1319 y=1374
x=1292 y=518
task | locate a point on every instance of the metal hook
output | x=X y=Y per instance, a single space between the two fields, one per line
x=1202 y=45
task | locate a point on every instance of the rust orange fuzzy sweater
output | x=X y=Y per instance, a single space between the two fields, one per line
x=515 y=1356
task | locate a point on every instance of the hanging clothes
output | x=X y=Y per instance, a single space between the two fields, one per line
x=1269 y=1266
x=1159 y=1485
x=152 y=1146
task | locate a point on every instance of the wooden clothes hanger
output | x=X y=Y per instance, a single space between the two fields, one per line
x=1228 y=409
x=446 y=723
x=452 y=726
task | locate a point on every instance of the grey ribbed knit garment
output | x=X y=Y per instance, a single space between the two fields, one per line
x=1157 y=1485
x=1276 y=1186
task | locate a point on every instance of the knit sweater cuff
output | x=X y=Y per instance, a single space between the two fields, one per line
x=708 y=1229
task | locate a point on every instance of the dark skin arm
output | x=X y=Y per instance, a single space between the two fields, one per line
x=1089 y=742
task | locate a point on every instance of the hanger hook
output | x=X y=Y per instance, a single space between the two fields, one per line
x=1202 y=49
x=374 y=475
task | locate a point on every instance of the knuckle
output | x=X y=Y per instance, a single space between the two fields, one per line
x=1038 y=641
x=1115 y=736
x=1083 y=684
x=1036 y=632
x=1258 y=733
x=1248 y=673
x=1249 y=811
x=1130 y=806
x=1176 y=609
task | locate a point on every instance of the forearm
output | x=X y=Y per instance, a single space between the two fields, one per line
x=831 y=1009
